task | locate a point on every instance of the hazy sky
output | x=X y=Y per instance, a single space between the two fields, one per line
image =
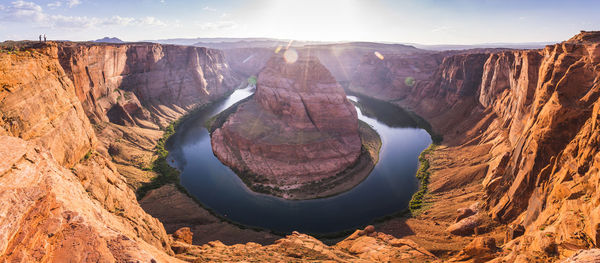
x=416 y=21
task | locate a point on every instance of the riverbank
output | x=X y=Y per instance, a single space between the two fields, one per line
x=165 y=198
x=453 y=184
x=344 y=181
x=164 y=203
x=416 y=203
x=165 y=173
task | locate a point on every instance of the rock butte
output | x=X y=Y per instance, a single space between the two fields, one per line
x=516 y=178
x=298 y=128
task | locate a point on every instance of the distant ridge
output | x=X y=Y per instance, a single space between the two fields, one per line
x=442 y=47
x=109 y=40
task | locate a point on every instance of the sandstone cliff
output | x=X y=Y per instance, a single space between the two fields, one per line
x=132 y=90
x=520 y=156
x=63 y=199
x=298 y=129
x=525 y=124
x=144 y=84
x=51 y=213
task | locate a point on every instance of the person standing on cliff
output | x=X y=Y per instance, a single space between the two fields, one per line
x=40 y=38
x=44 y=37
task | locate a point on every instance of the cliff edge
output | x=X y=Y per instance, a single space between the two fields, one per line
x=298 y=129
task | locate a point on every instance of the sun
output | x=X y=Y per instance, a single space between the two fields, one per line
x=311 y=19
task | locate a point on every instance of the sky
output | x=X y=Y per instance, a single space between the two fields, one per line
x=401 y=21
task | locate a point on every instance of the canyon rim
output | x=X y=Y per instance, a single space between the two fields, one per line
x=496 y=147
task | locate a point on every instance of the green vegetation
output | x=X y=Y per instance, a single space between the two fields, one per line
x=20 y=47
x=423 y=173
x=252 y=80
x=88 y=155
x=165 y=173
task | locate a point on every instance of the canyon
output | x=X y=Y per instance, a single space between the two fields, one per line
x=515 y=178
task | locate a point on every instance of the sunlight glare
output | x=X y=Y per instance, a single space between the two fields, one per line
x=290 y=55
x=311 y=19
x=278 y=49
x=410 y=81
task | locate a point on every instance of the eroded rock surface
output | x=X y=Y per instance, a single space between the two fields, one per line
x=298 y=128
x=362 y=246
x=532 y=117
x=48 y=215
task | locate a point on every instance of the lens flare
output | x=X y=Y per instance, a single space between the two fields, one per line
x=290 y=55
x=378 y=55
x=278 y=49
x=410 y=81
x=248 y=58
x=252 y=81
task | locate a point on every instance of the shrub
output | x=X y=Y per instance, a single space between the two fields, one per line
x=423 y=175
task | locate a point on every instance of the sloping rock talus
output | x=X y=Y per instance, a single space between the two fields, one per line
x=533 y=115
x=133 y=90
x=144 y=84
x=362 y=246
x=297 y=129
x=61 y=200
x=51 y=214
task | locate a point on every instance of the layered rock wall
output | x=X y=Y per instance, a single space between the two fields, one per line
x=61 y=200
x=38 y=103
x=144 y=84
x=537 y=111
x=298 y=129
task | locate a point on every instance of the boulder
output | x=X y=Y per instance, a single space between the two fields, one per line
x=183 y=234
x=465 y=226
x=481 y=249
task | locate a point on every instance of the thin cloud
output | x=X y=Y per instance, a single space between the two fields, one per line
x=442 y=29
x=55 y=4
x=207 y=8
x=150 y=21
x=72 y=3
x=220 y=25
x=29 y=12
x=21 y=10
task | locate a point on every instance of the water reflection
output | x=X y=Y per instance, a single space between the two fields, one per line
x=388 y=188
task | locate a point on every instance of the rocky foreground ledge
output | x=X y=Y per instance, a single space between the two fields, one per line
x=362 y=246
x=298 y=131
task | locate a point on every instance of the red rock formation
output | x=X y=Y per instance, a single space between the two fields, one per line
x=342 y=59
x=48 y=214
x=393 y=76
x=537 y=113
x=138 y=84
x=299 y=127
x=87 y=213
x=61 y=201
x=362 y=246
x=38 y=103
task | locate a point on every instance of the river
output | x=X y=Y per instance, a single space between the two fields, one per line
x=387 y=190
